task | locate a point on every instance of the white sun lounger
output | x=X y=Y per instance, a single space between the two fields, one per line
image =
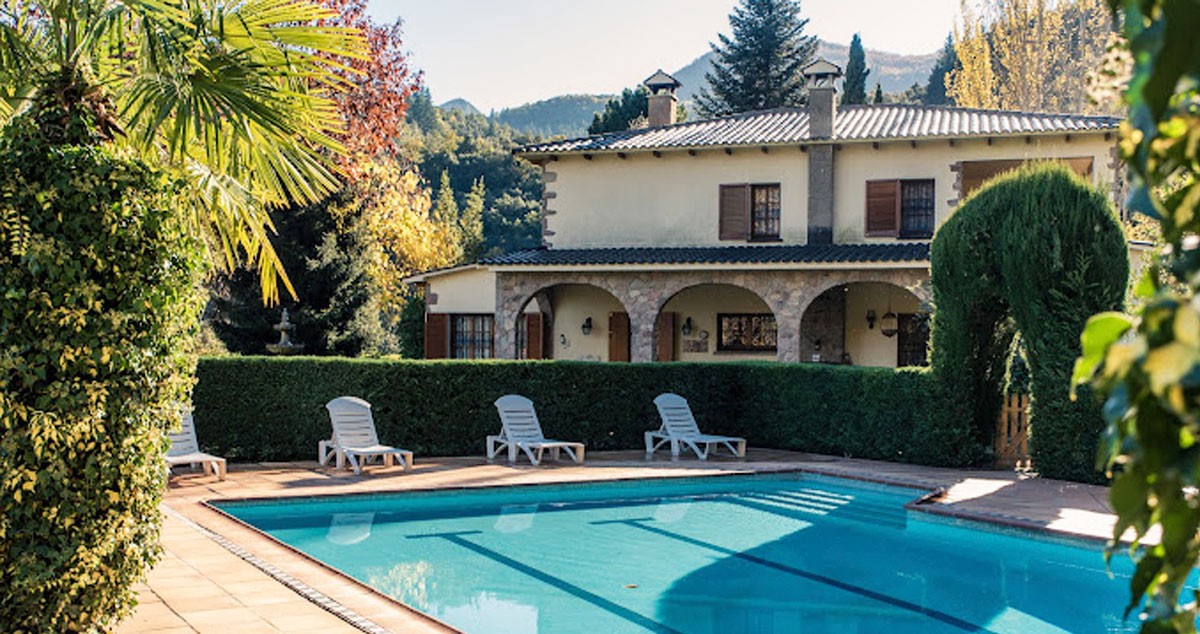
x=354 y=436
x=185 y=450
x=679 y=429
x=521 y=430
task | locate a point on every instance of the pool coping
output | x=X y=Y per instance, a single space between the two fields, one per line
x=925 y=503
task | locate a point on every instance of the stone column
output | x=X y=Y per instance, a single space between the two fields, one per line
x=508 y=308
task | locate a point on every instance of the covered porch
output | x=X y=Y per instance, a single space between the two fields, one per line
x=868 y=316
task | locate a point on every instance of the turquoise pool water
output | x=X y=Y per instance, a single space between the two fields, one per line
x=726 y=555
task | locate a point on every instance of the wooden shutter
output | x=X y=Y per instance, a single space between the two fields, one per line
x=618 y=336
x=734 y=222
x=883 y=208
x=437 y=335
x=534 y=339
x=664 y=337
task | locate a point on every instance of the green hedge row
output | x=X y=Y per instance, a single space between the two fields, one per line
x=263 y=409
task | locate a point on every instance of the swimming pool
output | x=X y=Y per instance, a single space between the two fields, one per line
x=729 y=555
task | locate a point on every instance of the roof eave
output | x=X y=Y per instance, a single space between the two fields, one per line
x=532 y=155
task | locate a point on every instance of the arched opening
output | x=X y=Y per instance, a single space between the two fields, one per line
x=577 y=322
x=865 y=323
x=715 y=322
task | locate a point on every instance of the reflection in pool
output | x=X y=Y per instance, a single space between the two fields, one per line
x=729 y=555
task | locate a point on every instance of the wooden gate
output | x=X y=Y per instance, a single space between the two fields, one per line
x=1012 y=433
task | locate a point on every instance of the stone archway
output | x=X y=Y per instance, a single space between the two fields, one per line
x=715 y=322
x=865 y=323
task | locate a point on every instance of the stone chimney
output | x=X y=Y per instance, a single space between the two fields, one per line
x=822 y=77
x=662 y=100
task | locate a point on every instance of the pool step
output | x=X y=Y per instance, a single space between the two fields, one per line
x=809 y=502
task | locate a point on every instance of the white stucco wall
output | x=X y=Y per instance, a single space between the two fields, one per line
x=702 y=304
x=668 y=201
x=672 y=200
x=468 y=291
x=572 y=304
x=855 y=164
x=868 y=346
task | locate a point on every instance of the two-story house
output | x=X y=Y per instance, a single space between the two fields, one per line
x=797 y=234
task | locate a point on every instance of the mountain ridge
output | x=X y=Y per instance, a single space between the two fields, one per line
x=569 y=115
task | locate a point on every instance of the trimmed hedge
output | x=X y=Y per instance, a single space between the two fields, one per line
x=269 y=408
x=1036 y=252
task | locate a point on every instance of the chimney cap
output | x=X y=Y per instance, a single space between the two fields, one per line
x=661 y=80
x=822 y=69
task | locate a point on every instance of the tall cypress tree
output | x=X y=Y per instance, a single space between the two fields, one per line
x=935 y=90
x=760 y=66
x=855 y=89
x=878 y=98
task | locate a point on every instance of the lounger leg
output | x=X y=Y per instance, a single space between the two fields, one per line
x=491 y=448
x=354 y=464
x=341 y=459
x=554 y=453
x=512 y=452
x=649 y=445
x=406 y=460
x=536 y=459
x=389 y=459
x=220 y=470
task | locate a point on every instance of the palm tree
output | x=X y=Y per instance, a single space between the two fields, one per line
x=234 y=96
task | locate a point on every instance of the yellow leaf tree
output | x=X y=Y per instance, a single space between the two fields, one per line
x=1033 y=55
x=393 y=207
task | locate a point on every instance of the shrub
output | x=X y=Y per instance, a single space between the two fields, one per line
x=96 y=295
x=262 y=408
x=1036 y=252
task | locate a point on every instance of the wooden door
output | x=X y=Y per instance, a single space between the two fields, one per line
x=618 y=336
x=664 y=337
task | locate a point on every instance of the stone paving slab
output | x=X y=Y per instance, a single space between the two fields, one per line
x=200 y=586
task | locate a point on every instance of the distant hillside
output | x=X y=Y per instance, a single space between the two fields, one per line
x=461 y=105
x=895 y=71
x=568 y=115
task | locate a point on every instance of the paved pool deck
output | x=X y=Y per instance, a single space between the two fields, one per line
x=220 y=576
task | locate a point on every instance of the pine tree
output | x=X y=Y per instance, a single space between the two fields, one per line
x=445 y=209
x=878 y=98
x=761 y=65
x=935 y=89
x=855 y=89
x=470 y=222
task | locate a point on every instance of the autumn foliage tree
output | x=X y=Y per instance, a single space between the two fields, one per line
x=374 y=107
x=1028 y=54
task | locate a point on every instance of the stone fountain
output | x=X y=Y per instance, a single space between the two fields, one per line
x=285 y=346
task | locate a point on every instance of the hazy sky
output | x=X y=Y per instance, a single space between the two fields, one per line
x=500 y=53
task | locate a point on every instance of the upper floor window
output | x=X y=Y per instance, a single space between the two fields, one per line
x=749 y=212
x=900 y=208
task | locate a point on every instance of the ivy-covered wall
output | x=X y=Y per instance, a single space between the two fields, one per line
x=97 y=304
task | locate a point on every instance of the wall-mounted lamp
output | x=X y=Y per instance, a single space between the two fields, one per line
x=686 y=329
x=587 y=326
x=870 y=320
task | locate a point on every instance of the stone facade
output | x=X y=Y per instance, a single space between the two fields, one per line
x=644 y=293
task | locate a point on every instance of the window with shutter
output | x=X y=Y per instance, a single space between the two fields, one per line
x=916 y=208
x=883 y=208
x=734 y=221
x=471 y=337
x=764 y=212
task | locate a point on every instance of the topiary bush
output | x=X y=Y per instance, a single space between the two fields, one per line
x=97 y=278
x=265 y=408
x=1036 y=252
